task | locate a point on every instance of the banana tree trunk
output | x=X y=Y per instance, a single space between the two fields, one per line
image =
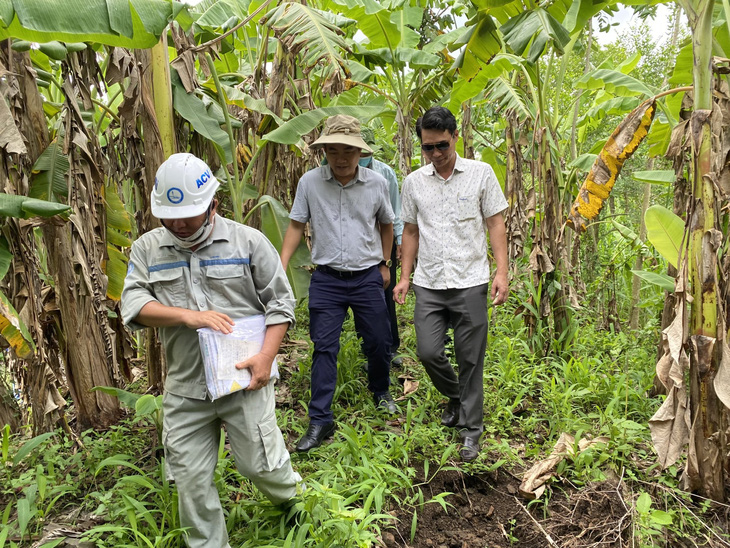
x=76 y=252
x=154 y=106
x=467 y=135
x=516 y=221
x=37 y=377
x=708 y=442
x=404 y=141
x=549 y=245
x=277 y=168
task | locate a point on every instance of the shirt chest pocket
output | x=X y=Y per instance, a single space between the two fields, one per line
x=467 y=207
x=169 y=286
x=225 y=283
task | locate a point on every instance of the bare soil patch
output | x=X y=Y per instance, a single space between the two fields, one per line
x=486 y=511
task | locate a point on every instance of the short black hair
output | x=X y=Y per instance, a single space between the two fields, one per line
x=438 y=118
x=419 y=121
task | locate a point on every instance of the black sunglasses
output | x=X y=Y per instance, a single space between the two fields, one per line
x=443 y=145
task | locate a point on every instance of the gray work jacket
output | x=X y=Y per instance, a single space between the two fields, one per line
x=236 y=271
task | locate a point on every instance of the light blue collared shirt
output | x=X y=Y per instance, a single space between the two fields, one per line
x=344 y=219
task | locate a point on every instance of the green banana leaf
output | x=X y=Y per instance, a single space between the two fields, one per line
x=374 y=21
x=6 y=257
x=534 y=29
x=616 y=106
x=316 y=34
x=614 y=82
x=656 y=176
x=465 y=89
x=416 y=58
x=489 y=156
x=580 y=12
x=407 y=20
x=584 y=162
x=662 y=280
x=24 y=207
x=117 y=217
x=115 y=269
x=665 y=231
x=50 y=169
x=683 y=67
x=117 y=222
x=293 y=130
x=482 y=41
x=274 y=222
x=659 y=137
x=124 y=23
x=627 y=234
x=193 y=109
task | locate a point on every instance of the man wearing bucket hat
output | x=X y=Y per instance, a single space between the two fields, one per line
x=351 y=222
x=202 y=270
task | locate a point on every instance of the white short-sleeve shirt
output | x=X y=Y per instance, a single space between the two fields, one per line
x=451 y=216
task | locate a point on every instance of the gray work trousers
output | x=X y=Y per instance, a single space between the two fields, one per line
x=466 y=309
x=191 y=436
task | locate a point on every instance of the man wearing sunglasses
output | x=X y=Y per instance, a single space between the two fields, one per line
x=447 y=208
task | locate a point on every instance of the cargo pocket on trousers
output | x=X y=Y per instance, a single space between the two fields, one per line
x=274 y=452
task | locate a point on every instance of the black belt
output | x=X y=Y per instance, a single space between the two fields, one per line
x=343 y=273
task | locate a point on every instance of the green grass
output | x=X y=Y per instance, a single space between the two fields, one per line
x=374 y=464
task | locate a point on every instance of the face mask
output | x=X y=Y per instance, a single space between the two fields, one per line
x=365 y=162
x=195 y=239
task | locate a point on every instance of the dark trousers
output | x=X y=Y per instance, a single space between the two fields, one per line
x=467 y=311
x=329 y=298
x=391 y=303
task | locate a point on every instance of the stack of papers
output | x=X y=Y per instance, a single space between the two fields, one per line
x=222 y=352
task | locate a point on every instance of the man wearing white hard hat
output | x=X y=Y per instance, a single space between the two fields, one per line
x=202 y=270
x=351 y=220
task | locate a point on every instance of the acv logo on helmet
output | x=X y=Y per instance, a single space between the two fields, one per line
x=204 y=178
x=175 y=195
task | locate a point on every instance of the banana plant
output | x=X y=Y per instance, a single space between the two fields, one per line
x=274 y=222
x=12 y=327
x=413 y=74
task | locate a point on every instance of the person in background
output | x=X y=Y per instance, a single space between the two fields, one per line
x=202 y=270
x=447 y=205
x=352 y=236
x=367 y=160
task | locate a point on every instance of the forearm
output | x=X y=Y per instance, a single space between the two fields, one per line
x=409 y=250
x=498 y=241
x=386 y=238
x=272 y=339
x=293 y=236
x=156 y=314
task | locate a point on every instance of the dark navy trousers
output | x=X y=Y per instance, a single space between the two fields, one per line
x=330 y=295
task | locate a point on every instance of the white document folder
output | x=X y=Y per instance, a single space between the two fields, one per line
x=222 y=352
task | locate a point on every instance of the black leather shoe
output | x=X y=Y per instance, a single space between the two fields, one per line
x=315 y=435
x=397 y=361
x=470 y=448
x=450 y=416
x=385 y=402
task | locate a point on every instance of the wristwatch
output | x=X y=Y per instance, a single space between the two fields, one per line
x=387 y=263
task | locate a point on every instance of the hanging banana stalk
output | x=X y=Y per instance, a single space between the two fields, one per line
x=622 y=143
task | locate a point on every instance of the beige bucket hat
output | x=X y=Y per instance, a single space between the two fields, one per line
x=341 y=130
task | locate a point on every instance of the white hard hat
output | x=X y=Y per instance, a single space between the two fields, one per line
x=184 y=187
